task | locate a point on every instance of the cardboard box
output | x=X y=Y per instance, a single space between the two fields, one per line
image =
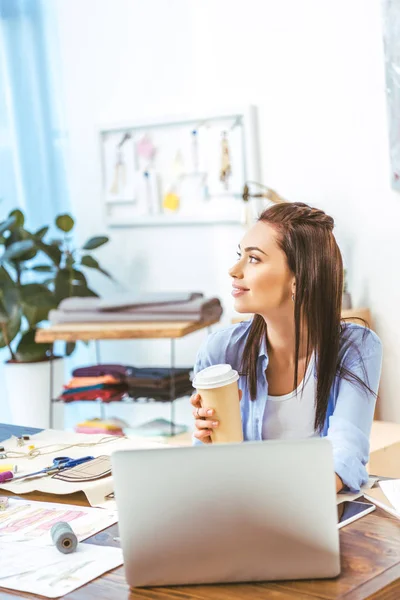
x=385 y=449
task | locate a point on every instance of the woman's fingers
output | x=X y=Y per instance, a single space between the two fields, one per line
x=203 y=435
x=198 y=410
x=195 y=400
x=202 y=424
x=203 y=413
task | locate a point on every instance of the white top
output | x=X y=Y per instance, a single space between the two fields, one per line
x=292 y=416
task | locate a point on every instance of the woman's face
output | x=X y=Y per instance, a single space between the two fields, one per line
x=262 y=281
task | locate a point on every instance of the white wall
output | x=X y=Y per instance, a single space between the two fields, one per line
x=315 y=69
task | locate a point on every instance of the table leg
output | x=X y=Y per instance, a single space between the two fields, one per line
x=97 y=351
x=102 y=411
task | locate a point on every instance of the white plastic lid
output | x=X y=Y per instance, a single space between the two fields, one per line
x=215 y=377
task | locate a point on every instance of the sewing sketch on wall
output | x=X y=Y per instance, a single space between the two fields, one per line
x=178 y=171
x=118 y=166
x=391 y=36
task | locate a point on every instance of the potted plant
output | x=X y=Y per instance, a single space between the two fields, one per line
x=36 y=273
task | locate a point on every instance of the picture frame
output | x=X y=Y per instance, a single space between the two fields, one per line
x=180 y=169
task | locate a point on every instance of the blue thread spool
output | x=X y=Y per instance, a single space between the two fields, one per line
x=63 y=537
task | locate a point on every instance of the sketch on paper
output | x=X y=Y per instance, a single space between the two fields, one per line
x=118 y=166
x=45 y=571
x=391 y=36
x=27 y=520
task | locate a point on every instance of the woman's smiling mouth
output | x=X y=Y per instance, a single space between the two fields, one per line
x=238 y=291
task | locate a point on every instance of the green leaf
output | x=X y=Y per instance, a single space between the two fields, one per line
x=36 y=302
x=49 y=281
x=83 y=291
x=18 y=216
x=29 y=351
x=10 y=309
x=29 y=254
x=38 y=295
x=69 y=348
x=95 y=242
x=43 y=268
x=79 y=277
x=63 y=285
x=41 y=232
x=17 y=250
x=7 y=224
x=53 y=252
x=89 y=261
x=65 y=223
x=34 y=314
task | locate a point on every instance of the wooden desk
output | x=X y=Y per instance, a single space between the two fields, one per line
x=370 y=554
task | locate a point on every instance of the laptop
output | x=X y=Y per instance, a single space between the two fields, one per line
x=256 y=511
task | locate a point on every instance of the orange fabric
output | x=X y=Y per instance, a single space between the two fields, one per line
x=77 y=382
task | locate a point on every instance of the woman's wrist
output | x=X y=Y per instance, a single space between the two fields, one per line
x=339 y=483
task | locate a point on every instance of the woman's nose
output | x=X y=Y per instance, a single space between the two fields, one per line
x=236 y=271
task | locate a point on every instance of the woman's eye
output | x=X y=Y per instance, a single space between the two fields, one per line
x=239 y=256
x=253 y=259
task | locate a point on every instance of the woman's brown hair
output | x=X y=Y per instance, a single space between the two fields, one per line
x=306 y=237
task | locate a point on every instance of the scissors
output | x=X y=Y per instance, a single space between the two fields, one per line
x=59 y=464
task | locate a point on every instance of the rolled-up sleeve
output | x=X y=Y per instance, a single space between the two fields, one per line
x=351 y=422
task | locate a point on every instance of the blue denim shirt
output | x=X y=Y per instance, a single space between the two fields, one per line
x=350 y=408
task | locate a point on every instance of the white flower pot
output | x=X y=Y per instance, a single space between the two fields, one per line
x=28 y=391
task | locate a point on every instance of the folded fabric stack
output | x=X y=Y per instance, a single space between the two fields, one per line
x=108 y=427
x=145 y=382
x=107 y=387
x=190 y=306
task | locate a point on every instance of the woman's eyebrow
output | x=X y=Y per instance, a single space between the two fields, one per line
x=252 y=248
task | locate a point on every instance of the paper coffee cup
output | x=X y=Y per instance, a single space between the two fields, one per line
x=218 y=389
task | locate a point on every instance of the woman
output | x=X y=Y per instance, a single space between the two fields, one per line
x=304 y=372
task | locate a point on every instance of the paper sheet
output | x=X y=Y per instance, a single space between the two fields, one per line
x=95 y=491
x=29 y=521
x=48 y=572
x=391 y=489
x=343 y=496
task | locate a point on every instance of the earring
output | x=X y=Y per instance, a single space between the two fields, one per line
x=292 y=297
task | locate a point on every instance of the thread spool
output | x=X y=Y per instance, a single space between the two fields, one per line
x=8 y=467
x=63 y=537
x=6 y=476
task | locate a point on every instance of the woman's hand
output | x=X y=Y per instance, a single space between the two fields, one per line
x=205 y=421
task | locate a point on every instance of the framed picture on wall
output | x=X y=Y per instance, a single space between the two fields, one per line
x=180 y=169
